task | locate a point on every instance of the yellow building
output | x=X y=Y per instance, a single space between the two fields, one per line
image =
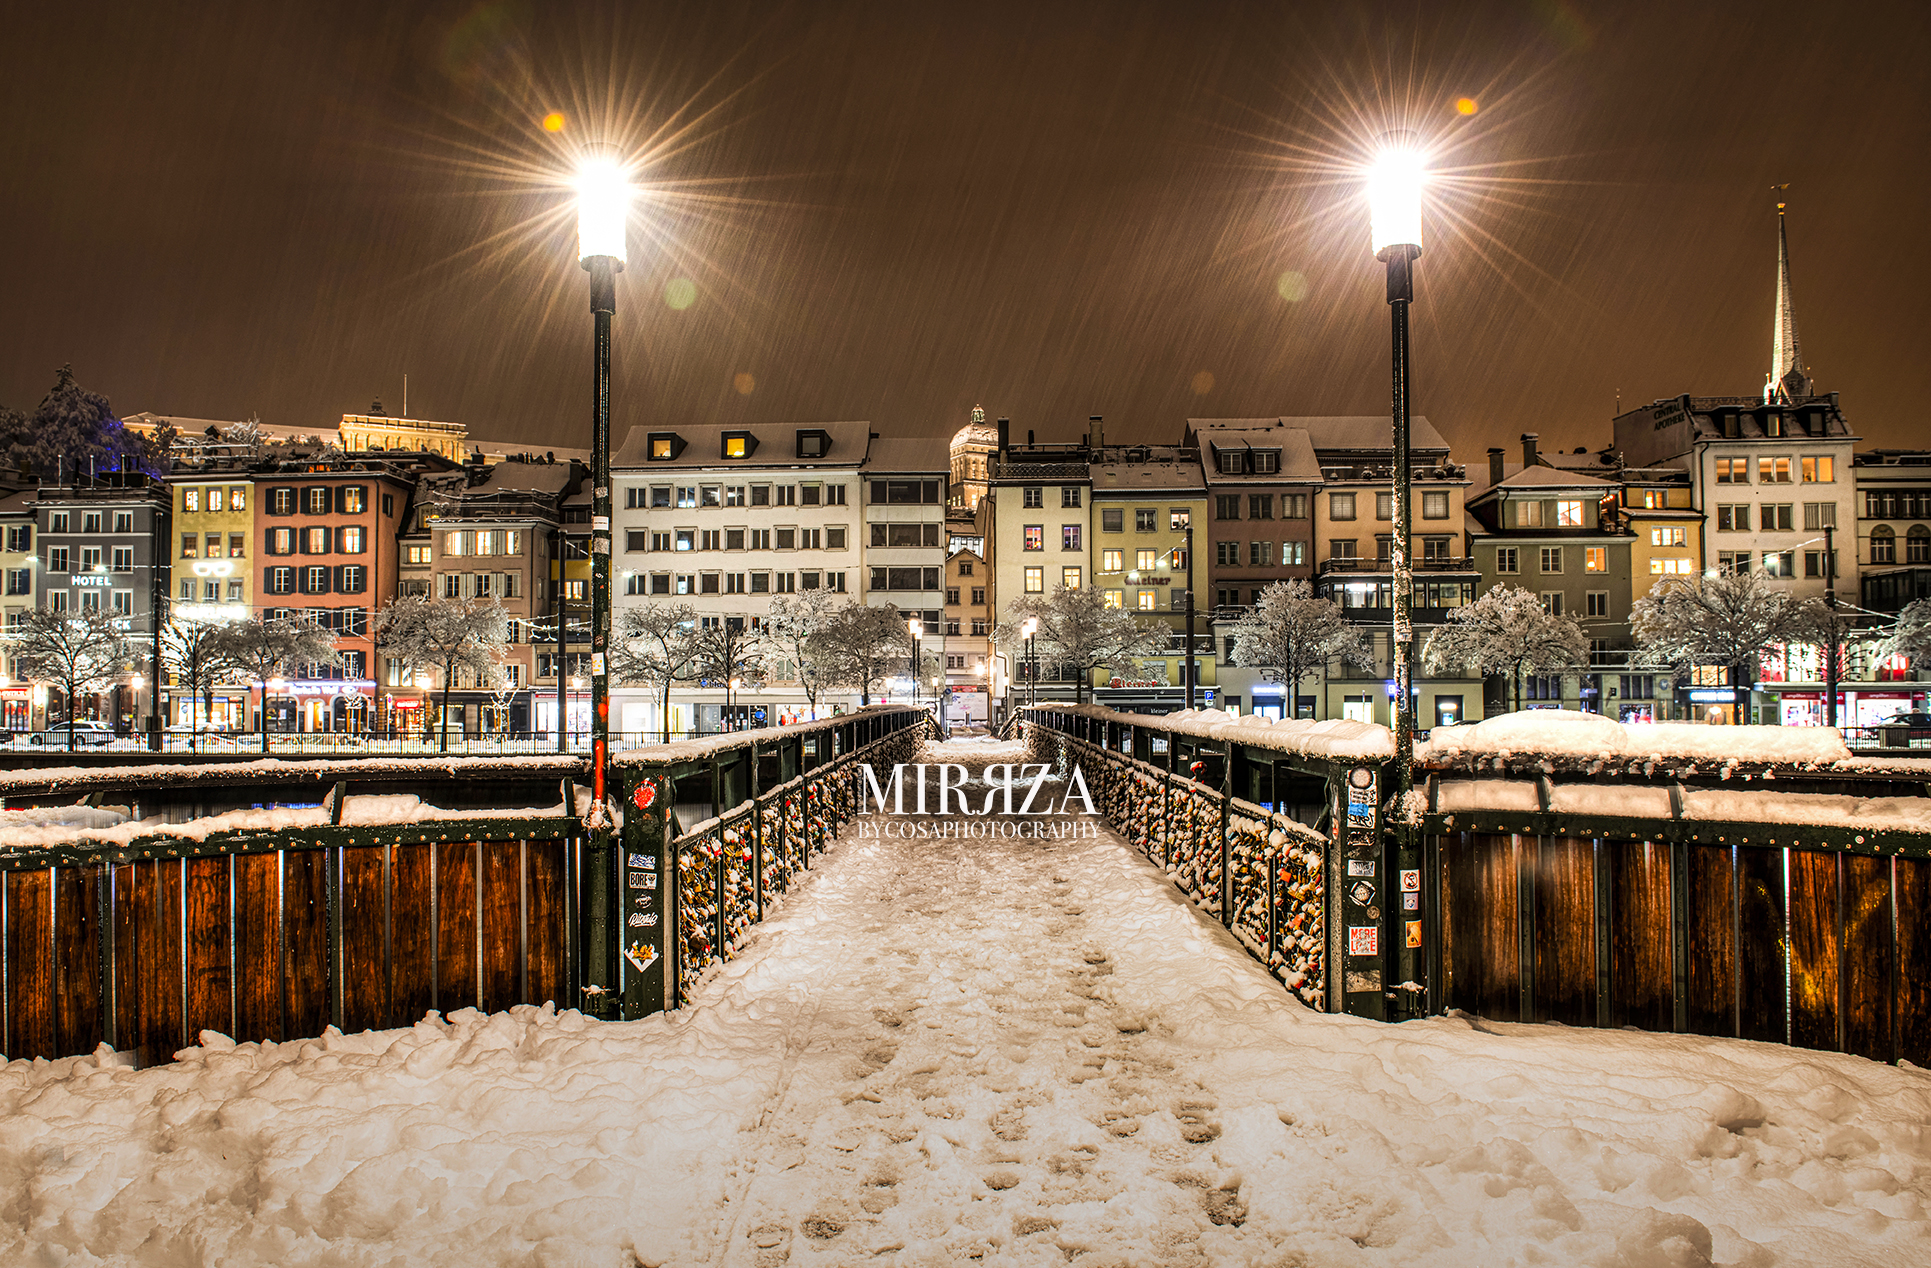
x=1668 y=528
x=377 y=430
x=1143 y=501
x=212 y=546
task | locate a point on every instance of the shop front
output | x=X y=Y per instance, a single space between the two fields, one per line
x=17 y=709
x=965 y=704
x=405 y=716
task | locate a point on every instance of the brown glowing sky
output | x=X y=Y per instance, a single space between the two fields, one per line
x=894 y=211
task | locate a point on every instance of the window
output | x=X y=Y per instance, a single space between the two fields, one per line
x=952 y=596
x=1552 y=602
x=1069 y=495
x=90 y=600
x=1569 y=515
x=1112 y=560
x=1505 y=560
x=635 y=539
x=1731 y=517
x=1108 y=598
x=978 y=599
x=1069 y=536
x=1112 y=520
x=190 y=545
x=787 y=539
x=1595 y=559
x=813 y=444
x=1178 y=518
x=1820 y=515
x=1146 y=520
x=1552 y=559
x=1146 y=559
x=1818 y=470
x=123 y=559
x=1267 y=461
x=1780 y=563
x=760 y=539
x=1773 y=471
x=710 y=539
x=1033 y=537
x=351 y=581
x=1814 y=562
x=1293 y=554
x=1260 y=554
x=965 y=567
x=58 y=522
x=1070 y=578
x=20 y=581
x=1230 y=461
x=123 y=521
x=1917 y=548
x=1434 y=504
x=1341 y=548
x=1677 y=536
x=1227 y=554
x=1384 y=506
x=1597 y=603
x=90 y=522
x=354 y=499
x=1148 y=600
x=1528 y=514
x=1035 y=580
x=57 y=559
x=1340 y=506
x=348 y=540
x=316 y=500
x=214 y=545
x=686 y=495
x=1293 y=506
x=191 y=499
x=1260 y=506
x=663 y=446
x=710 y=495
x=739 y=444
x=315 y=541
x=281 y=581
x=20 y=537
x=1226 y=506
x=1733 y=471
x=90 y=558
x=1774 y=517
x=1033 y=498
x=1883 y=545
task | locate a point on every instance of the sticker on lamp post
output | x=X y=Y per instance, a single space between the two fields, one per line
x=1364 y=940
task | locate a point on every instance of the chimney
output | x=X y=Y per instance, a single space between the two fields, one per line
x=1030 y=442
x=1096 y=434
x=1528 y=448
x=1494 y=465
x=1005 y=430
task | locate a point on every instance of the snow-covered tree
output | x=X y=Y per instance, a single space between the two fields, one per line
x=796 y=631
x=1506 y=631
x=867 y=643
x=80 y=652
x=246 y=434
x=74 y=432
x=1725 y=619
x=1909 y=635
x=264 y=648
x=656 y=644
x=729 y=652
x=1077 y=631
x=193 y=651
x=1291 y=632
x=444 y=636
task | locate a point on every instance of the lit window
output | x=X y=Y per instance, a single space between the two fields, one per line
x=1595 y=559
x=1035 y=537
x=1070 y=578
x=735 y=446
x=1112 y=560
x=1035 y=581
x=1113 y=598
x=1568 y=515
x=1149 y=600
x=1818 y=470
x=1146 y=560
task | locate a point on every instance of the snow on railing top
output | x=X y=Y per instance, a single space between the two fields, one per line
x=1336 y=738
x=269 y=769
x=1565 y=733
x=711 y=745
x=1700 y=805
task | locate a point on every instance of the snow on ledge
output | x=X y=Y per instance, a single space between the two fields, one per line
x=1336 y=738
x=265 y=769
x=1566 y=733
x=710 y=745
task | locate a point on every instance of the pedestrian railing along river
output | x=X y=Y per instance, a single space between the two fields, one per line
x=1762 y=883
x=142 y=904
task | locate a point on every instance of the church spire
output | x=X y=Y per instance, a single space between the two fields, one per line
x=1787 y=378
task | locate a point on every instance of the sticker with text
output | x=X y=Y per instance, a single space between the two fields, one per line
x=1364 y=940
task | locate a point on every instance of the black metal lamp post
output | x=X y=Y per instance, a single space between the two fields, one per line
x=1027 y=630
x=1830 y=648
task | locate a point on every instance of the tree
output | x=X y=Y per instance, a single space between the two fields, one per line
x=268 y=647
x=1290 y=633
x=194 y=652
x=657 y=644
x=1909 y=635
x=1725 y=619
x=797 y=630
x=727 y=652
x=444 y=635
x=1507 y=631
x=74 y=432
x=80 y=651
x=866 y=642
x=1079 y=632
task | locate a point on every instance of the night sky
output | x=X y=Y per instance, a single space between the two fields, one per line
x=894 y=211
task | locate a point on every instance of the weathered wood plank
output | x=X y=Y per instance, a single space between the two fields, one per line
x=547 y=948
x=1711 y=1007
x=305 y=937
x=1913 y=882
x=410 y=968
x=258 y=967
x=365 y=986
x=502 y=882
x=1869 y=958
x=31 y=1027
x=1816 y=943
x=1481 y=970
x=209 y=980
x=455 y=926
x=1565 y=931
x=1761 y=1009
x=77 y=958
x=1641 y=989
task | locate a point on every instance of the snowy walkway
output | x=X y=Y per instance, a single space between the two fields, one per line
x=986 y=1051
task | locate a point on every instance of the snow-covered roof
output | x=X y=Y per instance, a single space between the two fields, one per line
x=1353 y=432
x=1146 y=477
x=1336 y=738
x=777 y=446
x=915 y=455
x=1563 y=732
x=1297 y=451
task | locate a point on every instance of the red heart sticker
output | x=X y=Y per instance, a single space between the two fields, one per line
x=645 y=795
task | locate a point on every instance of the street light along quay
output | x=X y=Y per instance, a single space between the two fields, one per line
x=1026 y=631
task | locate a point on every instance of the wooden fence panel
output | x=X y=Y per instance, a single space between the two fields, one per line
x=1481 y=964
x=1869 y=958
x=455 y=926
x=135 y=959
x=1816 y=938
x=210 y=1002
x=1760 y=944
x=548 y=943
x=365 y=979
x=1641 y=989
x=158 y=921
x=502 y=891
x=1912 y=882
x=258 y=947
x=30 y=964
x=77 y=957
x=305 y=942
x=1711 y=974
x=411 y=962
x=1565 y=931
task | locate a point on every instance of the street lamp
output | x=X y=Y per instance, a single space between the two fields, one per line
x=1394 y=208
x=603 y=207
x=917 y=628
x=1026 y=631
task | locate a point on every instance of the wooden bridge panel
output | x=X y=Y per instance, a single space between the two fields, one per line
x=502 y=890
x=1816 y=943
x=455 y=926
x=411 y=969
x=157 y=923
x=1641 y=988
x=30 y=964
x=1565 y=931
x=77 y=958
x=208 y=886
x=548 y=944
x=258 y=949
x=134 y=959
x=1481 y=962
x=305 y=926
x=1869 y=958
x=365 y=985
x=1760 y=944
x=1912 y=879
x=1711 y=1004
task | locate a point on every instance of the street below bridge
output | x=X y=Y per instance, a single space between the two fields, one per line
x=1001 y=1048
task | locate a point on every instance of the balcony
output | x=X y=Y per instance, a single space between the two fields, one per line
x=1363 y=566
x=1042 y=472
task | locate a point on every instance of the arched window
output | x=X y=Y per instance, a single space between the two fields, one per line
x=1917 y=545
x=1883 y=545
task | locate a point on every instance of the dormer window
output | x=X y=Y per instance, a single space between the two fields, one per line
x=1729 y=426
x=739 y=444
x=814 y=444
x=1230 y=461
x=1267 y=461
x=665 y=446
x=1773 y=425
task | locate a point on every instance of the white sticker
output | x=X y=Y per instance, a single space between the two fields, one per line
x=1362 y=939
x=599 y=523
x=1361 y=867
x=596 y=663
x=1411 y=881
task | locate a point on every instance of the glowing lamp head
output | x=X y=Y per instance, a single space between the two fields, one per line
x=917 y=627
x=1395 y=183
x=603 y=207
x=1029 y=628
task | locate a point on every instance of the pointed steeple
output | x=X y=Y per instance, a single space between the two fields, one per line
x=1787 y=378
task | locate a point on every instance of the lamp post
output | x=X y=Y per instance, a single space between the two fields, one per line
x=1830 y=648
x=917 y=628
x=603 y=205
x=1030 y=628
x=1394 y=206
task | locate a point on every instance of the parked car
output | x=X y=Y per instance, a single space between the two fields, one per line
x=85 y=735
x=1916 y=721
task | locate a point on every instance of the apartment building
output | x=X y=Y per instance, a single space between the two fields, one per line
x=966 y=641
x=1148 y=504
x=1038 y=536
x=725 y=519
x=905 y=534
x=212 y=541
x=19 y=572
